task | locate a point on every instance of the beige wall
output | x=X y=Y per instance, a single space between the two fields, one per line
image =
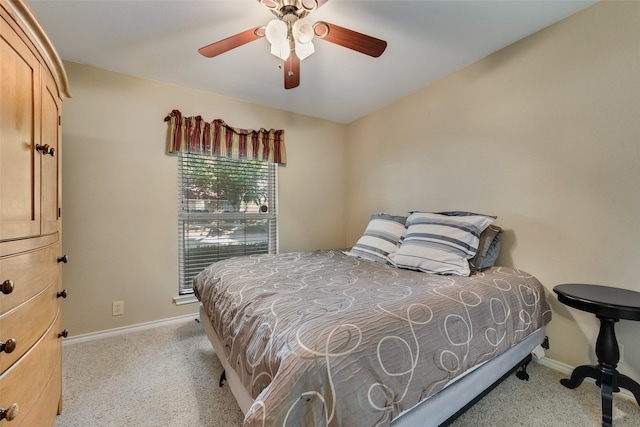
x=120 y=192
x=544 y=134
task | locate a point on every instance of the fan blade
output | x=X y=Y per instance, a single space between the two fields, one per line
x=350 y=39
x=225 y=45
x=292 y=71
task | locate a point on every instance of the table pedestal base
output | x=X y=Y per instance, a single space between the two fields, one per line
x=609 y=380
x=607 y=377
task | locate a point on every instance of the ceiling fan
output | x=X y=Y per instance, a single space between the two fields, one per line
x=291 y=35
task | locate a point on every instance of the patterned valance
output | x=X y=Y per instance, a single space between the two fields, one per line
x=194 y=135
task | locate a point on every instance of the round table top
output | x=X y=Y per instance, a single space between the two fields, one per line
x=604 y=301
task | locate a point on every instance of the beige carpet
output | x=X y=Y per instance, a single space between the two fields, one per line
x=168 y=376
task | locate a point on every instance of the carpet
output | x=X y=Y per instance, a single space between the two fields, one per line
x=168 y=377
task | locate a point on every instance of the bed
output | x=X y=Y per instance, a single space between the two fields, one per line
x=407 y=328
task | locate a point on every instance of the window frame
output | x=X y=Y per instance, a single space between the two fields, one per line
x=185 y=289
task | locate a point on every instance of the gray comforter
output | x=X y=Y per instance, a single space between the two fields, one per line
x=322 y=338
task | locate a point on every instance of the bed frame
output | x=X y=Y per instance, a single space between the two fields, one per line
x=440 y=409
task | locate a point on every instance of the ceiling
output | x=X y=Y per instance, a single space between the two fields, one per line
x=427 y=40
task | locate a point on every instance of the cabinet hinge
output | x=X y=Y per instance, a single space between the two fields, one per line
x=59 y=212
x=59 y=120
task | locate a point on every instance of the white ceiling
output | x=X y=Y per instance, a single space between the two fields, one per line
x=427 y=40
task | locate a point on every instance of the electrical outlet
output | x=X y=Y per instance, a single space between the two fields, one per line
x=117 y=309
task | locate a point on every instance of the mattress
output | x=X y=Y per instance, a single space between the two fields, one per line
x=327 y=339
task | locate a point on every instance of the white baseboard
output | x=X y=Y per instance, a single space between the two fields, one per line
x=126 y=329
x=185 y=299
x=554 y=364
x=568 y=369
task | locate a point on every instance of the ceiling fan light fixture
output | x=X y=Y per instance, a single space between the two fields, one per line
x=276 y=31
x=282 y=49
x=302 y=31
x=303 y=50
x=277 y=34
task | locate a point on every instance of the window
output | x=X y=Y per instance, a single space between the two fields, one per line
x=226 y=208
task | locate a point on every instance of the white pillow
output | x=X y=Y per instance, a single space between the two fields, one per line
x=440 y=244
x=381 y=238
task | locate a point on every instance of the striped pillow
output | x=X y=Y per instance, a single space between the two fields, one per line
x=489 y=245
x=381 y=238
x=440 y=244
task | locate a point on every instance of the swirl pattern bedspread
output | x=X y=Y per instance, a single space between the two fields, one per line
x=321 y=338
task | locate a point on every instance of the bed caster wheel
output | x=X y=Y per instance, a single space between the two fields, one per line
x=522 y=375
x=522 y=372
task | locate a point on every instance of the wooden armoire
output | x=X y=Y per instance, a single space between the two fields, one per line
x=32 y=86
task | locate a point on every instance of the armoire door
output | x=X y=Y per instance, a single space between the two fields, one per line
x=19 y=133
x=50 y=175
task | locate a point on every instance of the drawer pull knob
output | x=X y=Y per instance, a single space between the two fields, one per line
x=8 y=346
x=64 y=333
x=43 y=148
x=52 y=152
x=9 y=413
x=7 y=287
x=64 y=258
x=62 y=294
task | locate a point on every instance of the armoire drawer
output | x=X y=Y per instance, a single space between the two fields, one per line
x=21 y=384
x=44 y=411
x=24 y=276
x=23 y=326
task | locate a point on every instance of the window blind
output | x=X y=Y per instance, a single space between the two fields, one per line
x=226 y=208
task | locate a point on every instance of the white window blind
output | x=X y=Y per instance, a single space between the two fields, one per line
x=226 y=208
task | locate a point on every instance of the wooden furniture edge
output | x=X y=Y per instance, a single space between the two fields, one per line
x=32 y=26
